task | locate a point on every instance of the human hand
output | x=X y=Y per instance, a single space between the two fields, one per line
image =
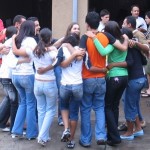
x=41 y=70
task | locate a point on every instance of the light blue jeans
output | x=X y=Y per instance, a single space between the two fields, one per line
x=132 y=98
x=27 y=106
x=93 y=98
x=46 y=94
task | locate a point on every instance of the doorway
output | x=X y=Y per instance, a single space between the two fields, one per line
x=38 y=8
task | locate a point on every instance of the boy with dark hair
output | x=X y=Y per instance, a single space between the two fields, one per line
x=104 y=17
x=94 y=86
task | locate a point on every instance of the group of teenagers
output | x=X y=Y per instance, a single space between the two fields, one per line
x=91 y=72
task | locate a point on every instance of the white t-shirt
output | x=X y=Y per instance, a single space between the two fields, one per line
x=140 y=22
x=101 y=27
x=29 y=44
x=44 y=61
x=72 y=73
x=9 y=61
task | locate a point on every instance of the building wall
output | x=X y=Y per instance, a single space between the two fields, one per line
x=62 y=16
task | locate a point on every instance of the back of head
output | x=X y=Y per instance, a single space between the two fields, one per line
x=45 y=36
x=72 y=38
x=112 y=27
x=128 y=32
x=131 y=20
x=10 y=31
x=92 y=19
x=104 y=12
x=33 y=19
x=27 y=29
x=18 y=18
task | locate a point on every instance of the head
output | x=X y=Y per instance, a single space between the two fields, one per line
x=104 y=15
x=45 y=38
x=27 y=29
x=112 y=27
x=18 y=20
x=72 y=38
x=73 y=28
x=129 y=22
x=92 y=20
x=10 y=31
x=135 y=11
x=147 y=17
x=37 y=24
x=128 y=32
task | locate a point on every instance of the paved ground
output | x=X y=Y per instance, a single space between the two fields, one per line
x=141 y=143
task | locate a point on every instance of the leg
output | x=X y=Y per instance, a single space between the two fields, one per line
x=98 y=107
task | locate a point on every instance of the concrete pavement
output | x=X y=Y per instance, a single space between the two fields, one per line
x=140 y=143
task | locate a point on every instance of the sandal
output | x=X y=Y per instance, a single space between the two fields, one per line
x=71 y=144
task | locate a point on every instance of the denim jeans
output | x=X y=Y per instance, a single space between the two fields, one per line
x=58 y=71
x=70 y=99
x=115 y=87
x=9 y=105
x=27 y=106
x=46 y=94
x=132 y=98
x=93 y=98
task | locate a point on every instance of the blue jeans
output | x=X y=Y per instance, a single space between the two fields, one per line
x=132 y=98
x=27 y=106
x=93 y=98
x=9 y=105
x=115 y=87
x=70 y=99
x=46 y=94
x=58 y=71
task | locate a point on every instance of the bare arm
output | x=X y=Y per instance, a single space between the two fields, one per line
x=98 y=70
x=122 y=46
x=72 y=49
x=72 y=57
x=16 y=51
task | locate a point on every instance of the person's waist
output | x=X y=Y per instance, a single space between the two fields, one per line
x=46 y=80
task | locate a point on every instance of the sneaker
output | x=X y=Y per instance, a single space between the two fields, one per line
x=101 y=142
x=42 y=143
x=61 y=123
x=17 y=136
x=122 y=127
x=66 y=135
x=129 y=138
x=71 y=144
x=138 y=133
x=6 y=129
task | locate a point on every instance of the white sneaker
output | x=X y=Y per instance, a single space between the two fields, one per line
x=6 y=129
x=42 y=143
x=17 y=136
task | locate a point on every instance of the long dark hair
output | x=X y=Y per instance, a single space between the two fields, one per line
x=72 y=38
x=112 y=27
x=45 y=41
x=27 y=29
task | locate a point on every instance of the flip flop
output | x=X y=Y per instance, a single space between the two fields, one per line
x=145 y=95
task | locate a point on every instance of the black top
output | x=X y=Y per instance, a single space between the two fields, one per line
x=135 y=63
